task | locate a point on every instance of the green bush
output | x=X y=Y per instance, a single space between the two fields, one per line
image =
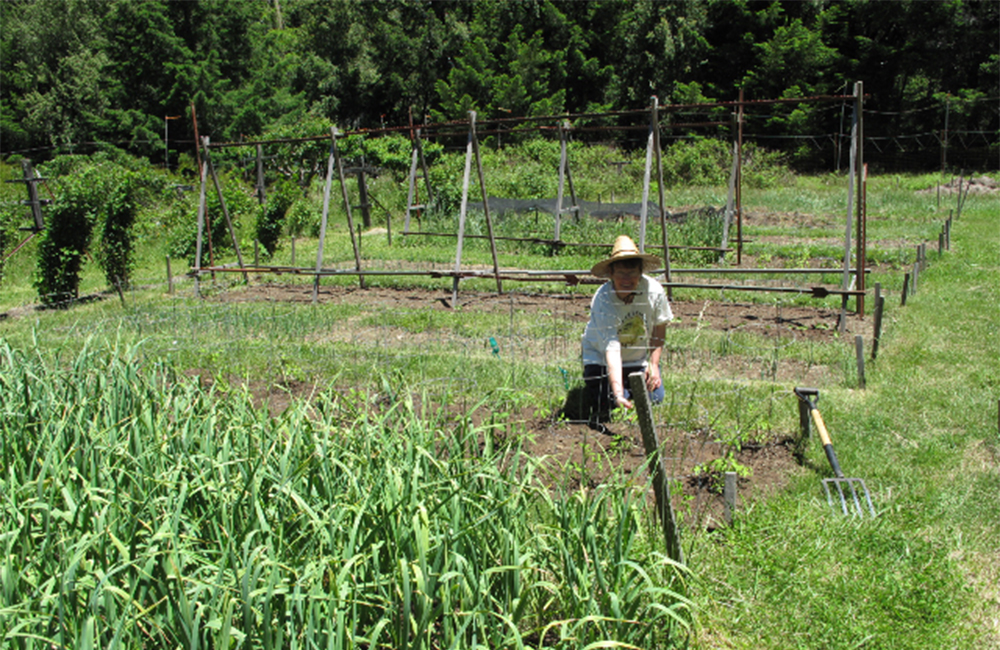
x=97 y=196
x=697 y=162
x=70 y=222
x=304 y=217
x=271 y=216
x=239 y=203
x=115 y=245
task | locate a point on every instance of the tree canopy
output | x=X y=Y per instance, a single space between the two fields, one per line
x=76 y=71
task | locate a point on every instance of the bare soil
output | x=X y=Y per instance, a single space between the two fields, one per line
x=578 y=455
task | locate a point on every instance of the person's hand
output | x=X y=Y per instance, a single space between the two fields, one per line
x=622 y=402
x=653 y=379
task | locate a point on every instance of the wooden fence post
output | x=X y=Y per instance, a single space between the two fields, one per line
x=661 y=486
x=879 y=308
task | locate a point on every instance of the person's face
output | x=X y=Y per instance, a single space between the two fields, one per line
x=625 y=279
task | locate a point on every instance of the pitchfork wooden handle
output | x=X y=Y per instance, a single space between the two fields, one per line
x=827 y=445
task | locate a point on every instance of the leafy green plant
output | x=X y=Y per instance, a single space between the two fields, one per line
x=115 y=244
x=185 y=516
x=72 y=218
x=239 y=204
x=713 y=472
x=271 y=216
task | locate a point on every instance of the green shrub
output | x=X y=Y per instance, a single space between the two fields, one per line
x=271 y=216
x=304 y=217
x=699 y=161
x=71 y=220
x=116 y=218
x=239 y=203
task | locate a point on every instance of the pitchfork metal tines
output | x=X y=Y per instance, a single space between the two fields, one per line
x=851 y=494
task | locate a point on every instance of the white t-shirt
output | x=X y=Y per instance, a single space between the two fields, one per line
x=614 y=323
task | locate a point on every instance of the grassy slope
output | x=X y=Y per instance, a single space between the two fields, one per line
x=924 y=437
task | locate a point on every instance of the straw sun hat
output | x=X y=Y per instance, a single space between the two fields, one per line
x=624 y=249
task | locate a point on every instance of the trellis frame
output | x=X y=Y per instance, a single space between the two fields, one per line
x=654 y=153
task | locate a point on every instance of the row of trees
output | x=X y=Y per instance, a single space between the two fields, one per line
x=112 y=70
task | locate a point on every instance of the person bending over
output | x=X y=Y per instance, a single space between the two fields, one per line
x=625 y=333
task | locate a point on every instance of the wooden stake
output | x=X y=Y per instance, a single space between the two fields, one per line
x=879 y=308
x=729 y=496
x=661 y=486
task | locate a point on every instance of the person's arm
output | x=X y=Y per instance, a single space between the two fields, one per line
x=656 y=339
x=613 y=359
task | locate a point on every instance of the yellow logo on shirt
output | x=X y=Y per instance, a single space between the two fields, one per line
x=632 y=330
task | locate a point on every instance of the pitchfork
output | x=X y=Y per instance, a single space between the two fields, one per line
x=846 y=489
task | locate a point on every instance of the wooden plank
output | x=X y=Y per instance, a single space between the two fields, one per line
x=562 y=179
x=486 y=206
x=411 y=192
x=730 y=198
x=463 y=210
x=325 y=216
x=347 y=205
x=647 y=174
x=862 y=189
x=202 y=209
x=659 y=185
x=225 y=210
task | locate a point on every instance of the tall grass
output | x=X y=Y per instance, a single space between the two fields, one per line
x=139 y=510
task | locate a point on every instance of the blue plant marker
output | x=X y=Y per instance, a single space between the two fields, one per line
x=565 y=377
x=495 y=346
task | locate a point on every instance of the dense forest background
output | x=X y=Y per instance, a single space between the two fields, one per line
x=74 y=72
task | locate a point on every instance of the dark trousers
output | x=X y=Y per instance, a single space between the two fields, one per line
x=597 y=395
